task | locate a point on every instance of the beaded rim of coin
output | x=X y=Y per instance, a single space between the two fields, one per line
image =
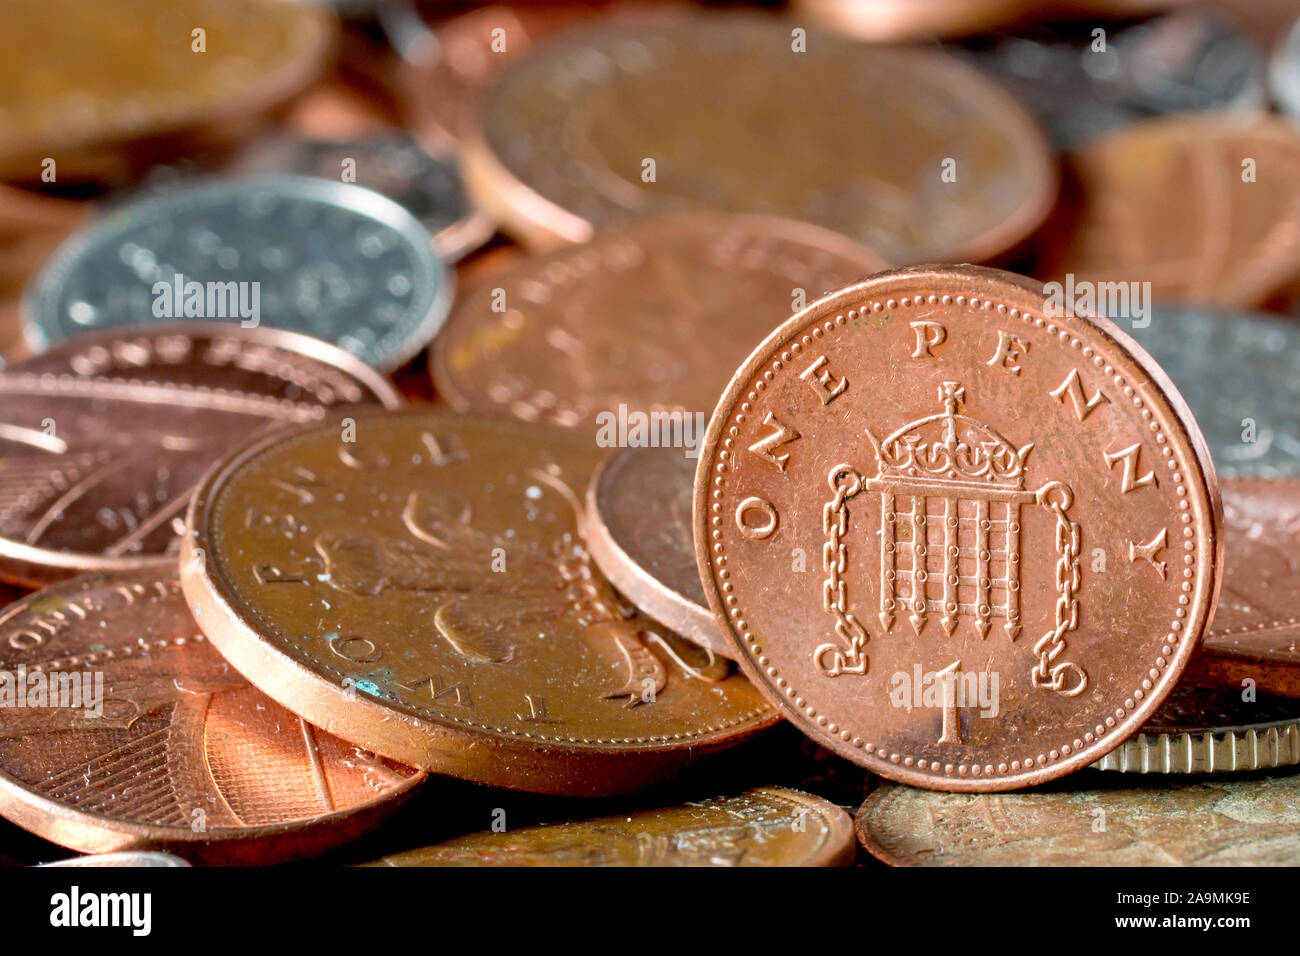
x=688 y=618
x=981 y=289
x=71 y=562
x=543 y=223
x=433 y=282
x=93 y=830
x=471 y=750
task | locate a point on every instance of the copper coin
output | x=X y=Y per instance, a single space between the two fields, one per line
x=441 y=97
x=152 y=741
x=767 y=826
x=652 y=316
x=910 y=152
x=419 y=585
x=639 y=533
x=1255 y=636
x=952 y=470
x=103 y=438
x=1204 y=208
x=1215 y=823
x=81 y=82
x=1212 y=730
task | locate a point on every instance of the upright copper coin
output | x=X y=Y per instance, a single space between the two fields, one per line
x=418 y=584
x=910 y=152
x=101 y=87
x=103 y=438
x=1255 y=639
x=889 y=20
x=1204 y=208
x=123 y=729
x=652 y=316
x=963 y=467
x=767 y=826
x=1216 y=823
x=639 y=533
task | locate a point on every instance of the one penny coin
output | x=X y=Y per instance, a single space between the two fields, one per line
x=956 y=469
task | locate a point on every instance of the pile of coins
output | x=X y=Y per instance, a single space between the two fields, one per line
x=577 y=433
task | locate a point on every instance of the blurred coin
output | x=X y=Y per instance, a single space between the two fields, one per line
x=918 y=593
x=1284 y=73
x=1205 y=208
x=1254 y=641
x=767 y=826
x=84 y=83
x=652 y=315
x=1216 y=823
x=147 y=858
x=1239 y=373
x=103 y=438
x=1211 y=730
x=639 y=533
x=166 y=747
x=331 y=259
x=441 y=97
x=1080 y=84
x=910 y=152
x=417 y=584
x=428 y=187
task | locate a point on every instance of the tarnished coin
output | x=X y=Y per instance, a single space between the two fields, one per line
x=1080 y=84
x=104 y=438
x=1211 y=730
x=122 y=728
x=653 y=316
x=1239 y=373
x=915 y=154
x=331 y=259
x=441 y=97
x=951 y=470
x=149 y=858
x=391 y=164
x=1203 y=208
x=767 y=826
x=102 y=88
x=1216 y=823
x=639 y=533
x=417 y=584
x=1254 y=641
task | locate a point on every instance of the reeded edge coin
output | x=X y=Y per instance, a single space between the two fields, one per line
x=1218 y=750
x=149 y=858
x=882 y=286
x=500 y=760
x=95 y=832
x=693 y=621
x=41 y=295
x=305 y=345
x=542 y=224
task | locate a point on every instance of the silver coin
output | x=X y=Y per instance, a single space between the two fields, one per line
x=149 y=858
x=393 y=165
x=1080 y=84
x=1240 y=373
x=1284 y=73
x=330 y=259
